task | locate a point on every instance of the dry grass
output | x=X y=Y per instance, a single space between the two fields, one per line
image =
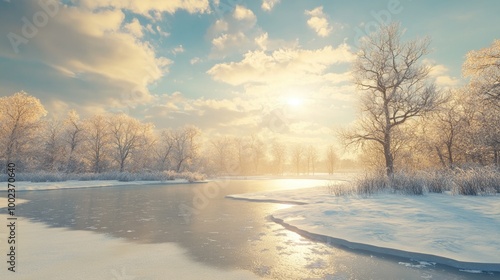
x=477 y=181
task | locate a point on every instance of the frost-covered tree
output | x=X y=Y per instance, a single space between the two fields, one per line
x=20 y=117
x=127 y=135
x=394 y=85
x=222 y=154
x=483 y=67
x=258 y=148
x=297 y=157
x=278 y=150
x=311 y=155
x=243 y=150
x=73 y=136
x=97 y=142
x=53 y=153
x=331 y=159
x=445 y=129
x=164 y=148
x=186 y=146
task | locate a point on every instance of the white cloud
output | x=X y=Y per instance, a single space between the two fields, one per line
x=268 y=5
x=243 y=13
x=195 y=60
x=145 y=7
x=226 y=41
x=178 y=49
x=93 y=48
x=262 y=41
x=135 y=28
x=238 y=32
x=319 y=22
x=161 y=32
x=284 y=65
x=440 y=75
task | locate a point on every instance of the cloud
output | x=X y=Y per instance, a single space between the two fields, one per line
x=89 y=52
x=195 y=60
x=440 y=75
x=318 y=21
x=238 y=32
x=243 y=13
x=148 y=7
x=178 y=49
x=268 y=5
x=284 y=65
x=135 y=28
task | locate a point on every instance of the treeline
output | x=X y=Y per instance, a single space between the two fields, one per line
x=120 y=143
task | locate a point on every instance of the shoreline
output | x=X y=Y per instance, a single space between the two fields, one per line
x=308 y=220
x=483 y=267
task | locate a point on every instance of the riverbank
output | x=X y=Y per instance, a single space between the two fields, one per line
x=458 y=231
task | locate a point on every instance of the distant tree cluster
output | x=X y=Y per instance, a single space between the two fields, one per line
x=120 y=143
x=407 y=123
x=100 y=143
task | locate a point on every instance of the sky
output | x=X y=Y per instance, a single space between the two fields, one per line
x=278 y=69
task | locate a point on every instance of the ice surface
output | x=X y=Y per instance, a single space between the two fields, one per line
x=54 y=253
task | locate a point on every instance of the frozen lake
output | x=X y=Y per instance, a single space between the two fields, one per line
x=224 y=233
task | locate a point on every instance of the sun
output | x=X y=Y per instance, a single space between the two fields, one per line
x=295 y=101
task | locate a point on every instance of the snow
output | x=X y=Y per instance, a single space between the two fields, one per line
x=31 y=186
x=460 y=231
x=55 y=253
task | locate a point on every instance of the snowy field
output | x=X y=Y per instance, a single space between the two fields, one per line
x=54 y=253
x=460 y=231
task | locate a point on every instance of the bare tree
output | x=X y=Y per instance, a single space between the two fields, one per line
x=331 y=158
x=97 y=142
x=483 y=67
x=243 y=153
x=394 y=85
x=222 y=153
x=297 y=156
x=127 y=134
x=258 y=152
x=164 y=149
x=279 y=157
x=445 y=128
x=53 y=147
x=312 y=158
x=73 y=136
x=19 y=121
x=186 y=146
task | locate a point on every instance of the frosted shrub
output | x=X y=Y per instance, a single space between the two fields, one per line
x=192 y=176
x=340 y=189
x=119 y=176
x=371 y=184
x=479 y=181
x=407 y=184
x=438 y=182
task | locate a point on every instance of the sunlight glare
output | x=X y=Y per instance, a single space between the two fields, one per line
x=295 y=101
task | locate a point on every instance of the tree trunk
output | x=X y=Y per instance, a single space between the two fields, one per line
x=389 y=160
x=440 y=155
x=450 y=155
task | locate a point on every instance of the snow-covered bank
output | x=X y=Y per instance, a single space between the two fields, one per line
x=31 y=186
x=54 y=253
x=460 y=231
